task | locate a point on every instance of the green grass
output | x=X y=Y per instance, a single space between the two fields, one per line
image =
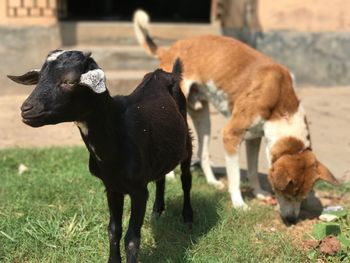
x=57 y=212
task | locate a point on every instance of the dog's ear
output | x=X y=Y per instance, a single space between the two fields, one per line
x=29 y=78
x=324 y=174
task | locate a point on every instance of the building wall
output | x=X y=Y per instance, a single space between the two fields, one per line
x=28 y=12
x=310 y=37
x=305 y=16
x=28 y=30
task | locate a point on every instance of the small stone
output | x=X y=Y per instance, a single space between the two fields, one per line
x=328 y=217
x=333 y=208
x=22 y=168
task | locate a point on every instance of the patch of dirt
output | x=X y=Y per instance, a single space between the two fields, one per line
x=330 y=245
x=300 y=233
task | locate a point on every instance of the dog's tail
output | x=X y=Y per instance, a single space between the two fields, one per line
x=141 y=25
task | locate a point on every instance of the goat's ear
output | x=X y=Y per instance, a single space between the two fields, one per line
x=95 y=79
x=30 y=78
x=178 y=67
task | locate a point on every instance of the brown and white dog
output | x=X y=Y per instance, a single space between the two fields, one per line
x=257 y=96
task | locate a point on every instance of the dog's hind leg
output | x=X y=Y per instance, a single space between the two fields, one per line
x=252 y=151
x=201 y=122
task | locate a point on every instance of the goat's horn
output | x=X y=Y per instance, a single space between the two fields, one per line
x=87 y=54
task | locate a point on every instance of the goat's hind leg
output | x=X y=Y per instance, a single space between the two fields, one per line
x=115 y=204
x=186 y=180
x=159 y=204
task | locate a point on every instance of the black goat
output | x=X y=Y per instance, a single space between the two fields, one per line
x=132 y=139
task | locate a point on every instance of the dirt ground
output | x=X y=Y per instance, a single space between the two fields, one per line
x=328 y=111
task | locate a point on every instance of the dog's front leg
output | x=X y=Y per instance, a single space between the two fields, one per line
x=233 y=135
x=234 y=179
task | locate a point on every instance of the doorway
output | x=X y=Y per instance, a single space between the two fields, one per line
x=189 y=11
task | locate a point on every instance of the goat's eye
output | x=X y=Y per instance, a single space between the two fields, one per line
x=68 y=85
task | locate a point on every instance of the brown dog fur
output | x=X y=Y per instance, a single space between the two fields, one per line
x=257 y=88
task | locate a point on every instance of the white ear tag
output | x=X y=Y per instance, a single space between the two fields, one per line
x=95 y=79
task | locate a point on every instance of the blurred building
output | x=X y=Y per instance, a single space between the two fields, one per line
x=310 y=37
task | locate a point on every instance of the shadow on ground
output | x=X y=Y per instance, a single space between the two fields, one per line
x=173 y=238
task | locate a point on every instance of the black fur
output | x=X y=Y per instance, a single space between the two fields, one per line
x=132 y=139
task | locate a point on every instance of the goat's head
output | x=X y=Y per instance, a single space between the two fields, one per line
x=66 y=88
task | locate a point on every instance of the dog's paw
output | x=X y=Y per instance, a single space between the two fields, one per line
x=238 y=203
x=262 y=195
x=240 y=206
x=217 y=184
x=265 y=196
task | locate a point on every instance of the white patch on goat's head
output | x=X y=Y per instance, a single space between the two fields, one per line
x=95 y=79
x=55 y=55
x=82 y=127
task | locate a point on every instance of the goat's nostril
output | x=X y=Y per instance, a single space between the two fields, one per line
x=26 y=107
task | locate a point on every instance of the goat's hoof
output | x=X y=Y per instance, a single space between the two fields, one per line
x=157 y=214
x=189 y=225
x=114 y=259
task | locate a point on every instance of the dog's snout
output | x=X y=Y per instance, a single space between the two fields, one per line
x=26 y=107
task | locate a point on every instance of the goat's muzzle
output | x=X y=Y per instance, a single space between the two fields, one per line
x=31 y=115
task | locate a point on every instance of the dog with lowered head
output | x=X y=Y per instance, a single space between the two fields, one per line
x=257 y=96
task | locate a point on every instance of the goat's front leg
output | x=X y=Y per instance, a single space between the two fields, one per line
x=133 y=235
x=115 y=204
x=159 y=205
